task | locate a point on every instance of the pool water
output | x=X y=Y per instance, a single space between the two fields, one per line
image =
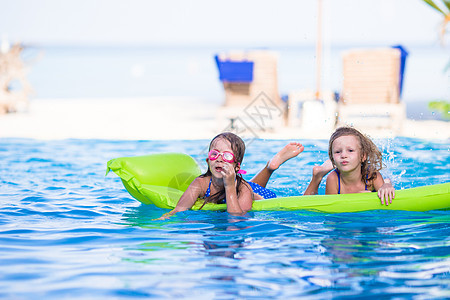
x=67 y=231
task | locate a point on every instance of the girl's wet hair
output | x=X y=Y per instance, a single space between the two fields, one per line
x=238 y=148
x=373 y=161
x=237 y=144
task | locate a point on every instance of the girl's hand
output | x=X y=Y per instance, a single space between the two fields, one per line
x=237 y=206
x=229 y=175
x=165 y=216
x=385 y=192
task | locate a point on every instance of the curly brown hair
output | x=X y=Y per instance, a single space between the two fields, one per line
x=238 y=147
x=369 y=150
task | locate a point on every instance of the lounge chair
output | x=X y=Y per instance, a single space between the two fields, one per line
x=370 y=97
x=250 y=81
x=245 y=74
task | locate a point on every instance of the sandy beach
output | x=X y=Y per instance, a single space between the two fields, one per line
x=156 y=119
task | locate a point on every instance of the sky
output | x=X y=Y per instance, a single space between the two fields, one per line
x=208 y=22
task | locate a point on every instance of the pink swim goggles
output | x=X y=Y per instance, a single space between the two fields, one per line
x=226 y=156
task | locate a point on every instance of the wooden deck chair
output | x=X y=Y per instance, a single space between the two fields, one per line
x=252 y=98
x=264 y=78
x=370 y=97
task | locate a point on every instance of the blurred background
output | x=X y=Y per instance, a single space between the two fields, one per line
x=141 y=48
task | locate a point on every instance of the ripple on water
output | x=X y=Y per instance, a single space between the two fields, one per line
x=67 y=231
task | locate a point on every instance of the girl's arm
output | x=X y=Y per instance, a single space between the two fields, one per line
x=318 y=173
x=236 y=205
x=384 y=188
x=331 y=186
x=188 y=198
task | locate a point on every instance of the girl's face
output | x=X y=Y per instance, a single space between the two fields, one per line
x=216 y=166
x=346 y=152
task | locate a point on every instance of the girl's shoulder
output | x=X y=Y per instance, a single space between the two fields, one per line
x=331 y=184
x=332 y=175
x=202 y=181
x=200 y=185
x=376 y=182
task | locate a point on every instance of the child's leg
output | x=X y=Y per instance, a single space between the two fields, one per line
x=289 y=151
x=318 y=173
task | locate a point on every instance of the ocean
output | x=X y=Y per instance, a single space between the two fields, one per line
x=163 y=71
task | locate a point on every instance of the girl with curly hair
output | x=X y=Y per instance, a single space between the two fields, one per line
x=357 y=163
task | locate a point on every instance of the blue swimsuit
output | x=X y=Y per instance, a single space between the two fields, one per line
x=339 y=182
x=265 y=193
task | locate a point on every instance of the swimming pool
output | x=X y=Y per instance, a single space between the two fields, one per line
x=67 y=231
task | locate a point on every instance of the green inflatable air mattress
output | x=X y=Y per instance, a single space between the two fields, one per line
x=161 y=179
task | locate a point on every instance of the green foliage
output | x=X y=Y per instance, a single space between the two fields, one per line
x=444 y=9
x=433 y=5
x=441 y=106
x=436 y=7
